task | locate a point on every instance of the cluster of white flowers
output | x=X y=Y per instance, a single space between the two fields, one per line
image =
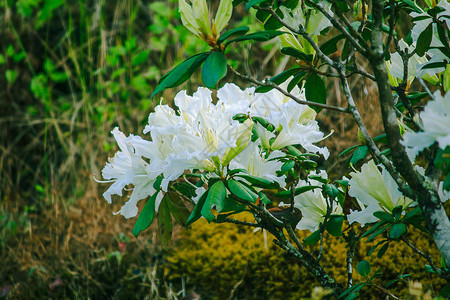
x=205 y=136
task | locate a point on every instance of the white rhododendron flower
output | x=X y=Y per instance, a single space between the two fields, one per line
x=436 y=126
x=127 y=167
x=253 y=160
x=205 y=136
x=375 y=191
x=313 y=205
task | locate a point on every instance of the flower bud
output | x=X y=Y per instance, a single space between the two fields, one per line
x=358 y=10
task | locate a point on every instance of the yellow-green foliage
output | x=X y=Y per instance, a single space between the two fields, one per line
x=220 y=260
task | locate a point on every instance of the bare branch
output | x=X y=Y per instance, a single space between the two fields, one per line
x=296 y=99
x=364 y=49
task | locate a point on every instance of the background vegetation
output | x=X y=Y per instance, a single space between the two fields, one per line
x=70 y=71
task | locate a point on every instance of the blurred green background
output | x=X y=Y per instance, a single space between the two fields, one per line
x=70 y=71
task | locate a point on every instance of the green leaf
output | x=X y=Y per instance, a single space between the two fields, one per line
x=186 y=189
x=145 y=218
x=397 y=230
x=383 y=250
x=424 y=40
x=241 y=191
x=298 y=191
x=445 y=292
x=260 y=36
x=164 y=224
x=197 y=212
x=375 y=247
x=313 y=238
x=412 y=213
x=177 y=208
x=331 y=190
x=252 y=2
x=214 y=69
x=278 y=79
x=397 y=212
x=378 y=232
x=297 y=54
x=297 y=78
x=359 y=154
x=236 y=31
x=231 y=206
x=387 y=217
x=411 y=4
x=349 y=149
x=330 y=46
x=140 y=58
x=259 y=182
x=334 y=225
x=287 y=166
x=11 y=76
x=2 y=59
x=315 y=90
x=264 y=199
x=373 y=228
x=363 y=268
x=181 y=72
x=236 y=171
x=434 y=65
x=354 y=290
x=216 y=197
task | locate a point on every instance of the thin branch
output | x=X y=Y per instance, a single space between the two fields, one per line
x=296 y=99
x=353 y=33
x=365 y=49
x=301 y=30
x=424 y=255
x=369 y=141
x=234 y=221
x=386 y=291
x=361 y=72
x=391 y=25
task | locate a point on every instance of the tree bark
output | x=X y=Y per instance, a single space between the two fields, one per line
x=424 y=191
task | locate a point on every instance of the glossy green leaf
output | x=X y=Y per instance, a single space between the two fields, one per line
x=287 y=166
x=397 y=230
x=330 y=46
x=197 y=212
x=298 y=191
x=278 y=79
x=164 y=224
x=180 y=73
x=313 y=238
x=334 y=225
x=177 y=207
x=253 y=2
x=264 y=199
x=259 y=182
x=241 y=191
x=387 y=217
x=295 y=81
x=233 y=32
x=216 y=197
x=363 y=268
x=145 y=218
x=331 y=190
x=315 y=90
x=383 y=250
x=424 y=40
x=359 y=154
x=260 y=36
x=214 y=69
x=349 y=149
x=297 y=54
